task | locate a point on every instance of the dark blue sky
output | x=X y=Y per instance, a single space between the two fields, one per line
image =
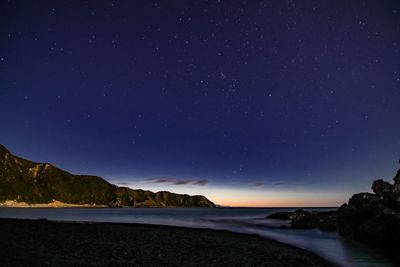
x=248 y=97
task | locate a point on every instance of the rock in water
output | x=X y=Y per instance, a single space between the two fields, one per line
x=288 y=215
x=324 y=220
x=302 y=219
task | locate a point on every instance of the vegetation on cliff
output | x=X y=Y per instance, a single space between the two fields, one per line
x=26 y=181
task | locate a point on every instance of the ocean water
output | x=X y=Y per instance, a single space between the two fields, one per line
x=328 y=245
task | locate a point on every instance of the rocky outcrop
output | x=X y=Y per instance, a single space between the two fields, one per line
x=24 y=181
x=303 y=219
x=373 y=218
x=370 y=217
x=285 y=215
x=324 y=220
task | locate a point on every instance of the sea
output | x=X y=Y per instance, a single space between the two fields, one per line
x=329 y=245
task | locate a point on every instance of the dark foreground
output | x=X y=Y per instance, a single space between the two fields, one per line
x=44 y=243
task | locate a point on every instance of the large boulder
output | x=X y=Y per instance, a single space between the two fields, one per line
x=361 y=199
x=381 y=187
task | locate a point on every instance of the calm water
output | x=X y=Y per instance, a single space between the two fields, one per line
x=252 y=220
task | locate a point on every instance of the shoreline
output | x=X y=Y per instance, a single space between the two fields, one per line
x=59 y=204
x=141 y=244
x=54 y=204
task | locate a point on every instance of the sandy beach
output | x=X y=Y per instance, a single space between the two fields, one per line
x=46 y=243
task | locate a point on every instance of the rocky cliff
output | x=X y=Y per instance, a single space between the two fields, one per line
x=373 y=217
x=29 y=182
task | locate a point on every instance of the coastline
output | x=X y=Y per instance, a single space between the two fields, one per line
x=59 y=204
x=54 y=204
x=57 y=243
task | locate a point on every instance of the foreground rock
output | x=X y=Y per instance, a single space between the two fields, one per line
x=373 y=218
x=44 y=243
x=303 y=219
x=25 y=183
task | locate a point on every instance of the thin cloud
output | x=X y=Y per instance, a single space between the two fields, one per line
x=179 y=182
x=289 y=184
x=176 y=181
x=259 y=184
x=201 y=182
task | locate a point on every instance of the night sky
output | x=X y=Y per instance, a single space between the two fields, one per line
x=250 y=103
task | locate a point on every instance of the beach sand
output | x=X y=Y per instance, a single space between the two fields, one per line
x=46 y=243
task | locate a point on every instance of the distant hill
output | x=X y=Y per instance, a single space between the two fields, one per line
x=24 y=181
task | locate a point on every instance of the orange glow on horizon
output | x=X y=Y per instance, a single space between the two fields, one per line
x=277 y=199
x=250 y=197
x=279 y=203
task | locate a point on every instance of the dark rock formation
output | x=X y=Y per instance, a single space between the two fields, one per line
x=370 y=217
x=39 y=183
x=281 y=215
x=324 y=220
x=289 y=215
x=373 y=218
x=381 y=187
x=303 y=219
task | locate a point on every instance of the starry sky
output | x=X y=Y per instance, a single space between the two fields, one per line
x=250 y=103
